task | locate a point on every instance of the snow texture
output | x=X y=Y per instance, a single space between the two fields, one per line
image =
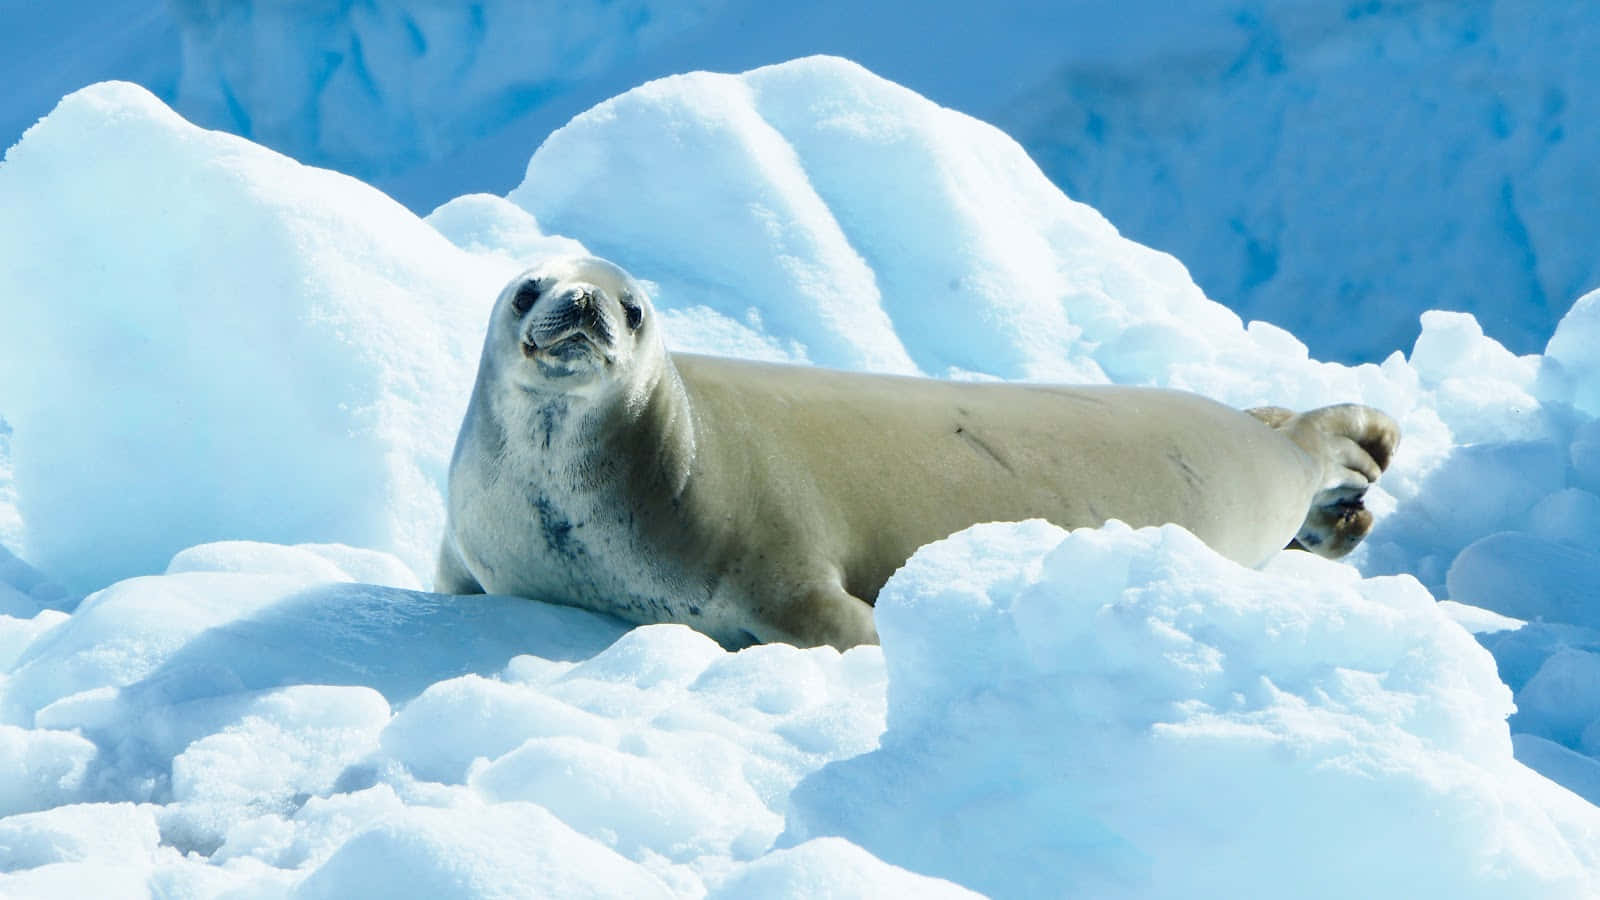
x=1143 y=683
x=1352 y=163
x=194 y=299
x=1336 y=166
x=231 y=382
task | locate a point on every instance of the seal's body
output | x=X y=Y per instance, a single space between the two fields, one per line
x=761 y=502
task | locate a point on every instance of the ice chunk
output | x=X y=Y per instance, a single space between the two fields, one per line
x=1064 y=709
x=291 y=349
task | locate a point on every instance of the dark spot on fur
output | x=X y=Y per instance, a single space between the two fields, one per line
x=556 y=529
x=694 y=610
x=550 y=416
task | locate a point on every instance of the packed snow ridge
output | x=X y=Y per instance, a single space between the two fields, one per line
x=232 y=381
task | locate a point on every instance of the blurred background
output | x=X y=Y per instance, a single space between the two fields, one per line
x=1341 y=164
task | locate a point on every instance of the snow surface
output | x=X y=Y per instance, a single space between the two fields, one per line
x=194 y=298
x=1343 y=165
x=1143 y=683
x=1354 y=163
x=232 y=380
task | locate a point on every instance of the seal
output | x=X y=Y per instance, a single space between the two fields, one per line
x=757 y=502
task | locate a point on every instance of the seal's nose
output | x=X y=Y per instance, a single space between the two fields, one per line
x=584 y=301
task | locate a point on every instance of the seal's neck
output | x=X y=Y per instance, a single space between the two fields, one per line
x=646 y=434
x=634 y=437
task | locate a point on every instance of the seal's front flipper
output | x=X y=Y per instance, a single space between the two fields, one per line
x=451 y=577
x=1354 y=445
x=822 y=614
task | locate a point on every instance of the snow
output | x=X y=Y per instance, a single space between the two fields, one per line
x=1454 y=135
x=1139 y=683
x=231 y=382
x=291 y=321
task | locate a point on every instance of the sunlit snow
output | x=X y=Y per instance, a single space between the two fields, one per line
x=231 y=384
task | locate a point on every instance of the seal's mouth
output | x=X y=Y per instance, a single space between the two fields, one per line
x=572 y=355
x=567 y=348
x=570 y=331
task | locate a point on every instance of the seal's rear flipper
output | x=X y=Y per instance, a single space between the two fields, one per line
x=1354 y=444
x=1334 y=530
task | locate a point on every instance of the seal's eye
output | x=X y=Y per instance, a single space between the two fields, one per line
x=633 y=311
x=526 y=295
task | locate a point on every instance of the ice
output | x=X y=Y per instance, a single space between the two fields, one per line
x=1456 y=134
x=313 y=562
x=1478 y=620
x=1529 y=577
x=486 y=223
x=1562 y=699
x=44 y=767
x=1570 y=516
x=280 y=747
x=1574 y=373
x=16 y=633
x=1401 y=117
x=388 y=85
x=985 y=269
x=1573 y=771
x=258 y=696
x=1114 y=688
x=290 y=348
x=830 y=867
x=24 y=590
x=76 y=832
x=506 y=850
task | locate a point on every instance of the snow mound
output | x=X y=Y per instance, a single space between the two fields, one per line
x=1065 y=710
x=220 y=343
x=1455 y=136
x=1049 y=712
x=829 y=867
x=507 y=850
x=289 y=730
x=877 y=229
x=1574 y=370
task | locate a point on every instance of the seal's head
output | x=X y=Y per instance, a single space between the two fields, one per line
x=572 y=324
